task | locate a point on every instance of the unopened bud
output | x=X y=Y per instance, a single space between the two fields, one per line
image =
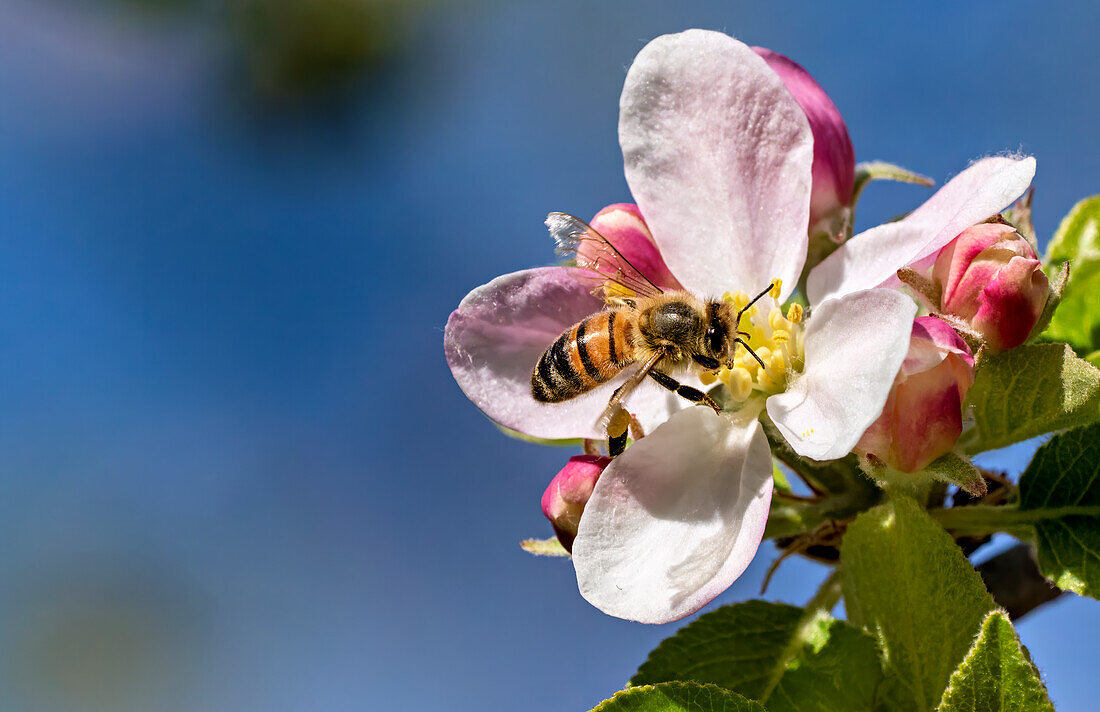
x=564 y=500
x=990 y=277
x=834 y=163
x=623 y=226
x=922 y=418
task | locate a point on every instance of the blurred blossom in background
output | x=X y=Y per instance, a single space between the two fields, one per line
x=235 y=473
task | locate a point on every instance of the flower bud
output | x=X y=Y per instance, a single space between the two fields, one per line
x=564 y=500
x=922 y=418
x=991 y=277
x=834 y=163
x=623 y=226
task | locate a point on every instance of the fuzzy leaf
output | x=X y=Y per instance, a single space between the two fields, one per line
x=881 y=170
x=997 y=675
x=1028 y=391
x=1060 y=490
x=678 y=697
x=774 y=653
x=958 y=471
x=544 y=547
x=1077 y=240
x=908 y=584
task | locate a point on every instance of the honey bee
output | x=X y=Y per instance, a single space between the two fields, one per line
x=662 y=331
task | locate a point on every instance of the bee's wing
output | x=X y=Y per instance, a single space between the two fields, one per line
x=603 y=258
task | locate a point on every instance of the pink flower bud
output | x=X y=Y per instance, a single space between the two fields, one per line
x=922 y=418
x=623 y=226
x=834 y=164
x=564 y=500
x=990 y=276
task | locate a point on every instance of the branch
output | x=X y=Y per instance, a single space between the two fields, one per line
x=1013 y=579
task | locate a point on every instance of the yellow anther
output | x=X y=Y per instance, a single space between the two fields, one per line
x=794 y=313
x=777 y=286
x=775 y=319
x=751 y=312
x=707 y=377
x=777 y=364
x=738 y=298
x=739 y=383
x=781 y=336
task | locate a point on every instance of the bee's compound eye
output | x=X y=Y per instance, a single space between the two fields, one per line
x=715 y=337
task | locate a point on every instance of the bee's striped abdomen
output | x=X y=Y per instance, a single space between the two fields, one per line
x=583 y=357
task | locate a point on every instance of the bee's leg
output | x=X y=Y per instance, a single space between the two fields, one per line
x=692 y=394
x=711 y=364
x=616 y=432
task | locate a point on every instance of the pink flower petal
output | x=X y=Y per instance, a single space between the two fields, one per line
x=623 y=226
x=834 y=166
x=718 y=156
x=675 y=519
x=495 y=337
x=854 y=348
x=872 y=258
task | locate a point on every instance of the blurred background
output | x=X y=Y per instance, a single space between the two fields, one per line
x=235 y=473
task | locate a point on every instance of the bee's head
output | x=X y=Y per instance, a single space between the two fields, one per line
x=718 y=337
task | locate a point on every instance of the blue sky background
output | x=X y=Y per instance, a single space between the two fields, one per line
x=235 y=473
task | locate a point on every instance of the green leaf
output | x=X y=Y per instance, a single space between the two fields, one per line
x=881 y=170
x=1061 y=490
x=678 y=697
x=908 y=584
x=1028 y=391
x=997 y=675
x=835 y=668
x=774 y=653
x=958 y=471
x=568 y=442
x=544 y=547
x=1077 y=240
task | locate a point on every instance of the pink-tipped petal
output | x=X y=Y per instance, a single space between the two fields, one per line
x=623 y=226
x=873 y=257
x=675 y=519
x=834 y=166
x=922 y=418
x=718 y=156
x=854 y=348
x=499 y=331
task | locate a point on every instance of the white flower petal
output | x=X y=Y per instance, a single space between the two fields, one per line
x=675 y=519
x=718 y=157
x=499 y=331
x=854 y=348
x=873 y=257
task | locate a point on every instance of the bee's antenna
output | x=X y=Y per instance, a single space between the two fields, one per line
x=755 y=299
x=749 y=349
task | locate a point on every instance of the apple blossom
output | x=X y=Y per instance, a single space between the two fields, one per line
x=922 y=418
x=718 y=157
x=991 y=277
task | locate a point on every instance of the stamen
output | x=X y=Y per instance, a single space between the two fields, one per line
x=794 y=313
x=739 y=383
x=777 y=287
x=707 y=377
